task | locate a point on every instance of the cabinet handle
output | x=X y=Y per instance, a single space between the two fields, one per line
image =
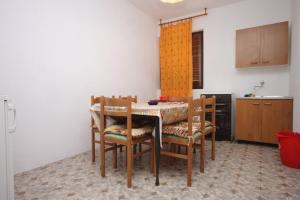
x=268 y=104
x=256 y=104
x=265 y=62
x=254 y=63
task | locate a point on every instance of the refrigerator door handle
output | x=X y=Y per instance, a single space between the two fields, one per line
x=12 y=128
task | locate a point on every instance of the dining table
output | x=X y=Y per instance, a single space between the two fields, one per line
x=161 y=114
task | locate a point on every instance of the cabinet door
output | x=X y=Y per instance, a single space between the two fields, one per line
x=248 y=120
x=247 y=47
x=271 y=120
x=276 y=117
x=287 y=115
x=274 y=44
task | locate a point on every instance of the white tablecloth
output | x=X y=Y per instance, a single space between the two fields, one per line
x=167 y=113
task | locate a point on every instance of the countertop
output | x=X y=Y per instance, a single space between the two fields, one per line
x=266 y=97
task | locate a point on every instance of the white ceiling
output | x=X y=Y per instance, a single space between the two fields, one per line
x=167 y=11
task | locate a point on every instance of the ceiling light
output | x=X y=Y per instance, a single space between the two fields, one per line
x=171 y=1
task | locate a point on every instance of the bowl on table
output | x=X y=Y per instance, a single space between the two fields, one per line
x=163 y=98
x=153 y=102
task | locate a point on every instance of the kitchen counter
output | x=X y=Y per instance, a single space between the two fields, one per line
x=258 y=118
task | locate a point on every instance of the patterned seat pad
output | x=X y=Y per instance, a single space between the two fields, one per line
x=121 y=129
x=180 y=129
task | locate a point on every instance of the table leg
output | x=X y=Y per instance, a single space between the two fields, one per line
x=157 y=142
x=157 y=150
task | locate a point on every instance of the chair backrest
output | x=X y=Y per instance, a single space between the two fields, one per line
x=198 y=108
x=209 y=106
x=179 y=99
x=116 y=107
x=132 y=98
x=94 y=100
x=195 y=110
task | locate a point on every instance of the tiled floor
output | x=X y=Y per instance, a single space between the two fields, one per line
x=240 y=171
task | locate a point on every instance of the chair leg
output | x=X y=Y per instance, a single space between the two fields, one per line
x=152 y=156
x=115 y=156
x=93 y=146
x=134 y=148
x=186 y=150
x=189 y=165
x=140 y=150
x=102 y=155
x=129 y=164
x=179 y=149
x=202 y=154
x=213 y=145
x=126 y=155
x=121 y=149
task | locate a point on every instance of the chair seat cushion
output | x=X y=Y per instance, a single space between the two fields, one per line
x=180 y=129
x=120 y=129
x=182 y=139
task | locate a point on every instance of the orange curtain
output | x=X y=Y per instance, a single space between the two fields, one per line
x=176 y=76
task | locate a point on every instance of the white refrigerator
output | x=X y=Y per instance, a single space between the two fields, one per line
x=7 y=128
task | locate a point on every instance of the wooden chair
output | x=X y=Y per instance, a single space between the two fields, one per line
x=94 y=129
x=186 y=133
x=123 y=134
x=132 y=99
x=177 y=99
x=209 y=107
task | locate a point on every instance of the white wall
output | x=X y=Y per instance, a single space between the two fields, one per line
x=54 y=54
x=295 y=62
x=220 y=74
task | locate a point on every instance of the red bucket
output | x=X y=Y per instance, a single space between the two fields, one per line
x=289 y=146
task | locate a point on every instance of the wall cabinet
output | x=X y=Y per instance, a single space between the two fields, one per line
x=258 y=119
x=262 y=46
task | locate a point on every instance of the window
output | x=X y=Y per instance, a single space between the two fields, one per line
x=197 y=52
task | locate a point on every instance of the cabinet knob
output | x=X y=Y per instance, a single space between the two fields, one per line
x=256 y=104
x=265 y=62
x=254 y=63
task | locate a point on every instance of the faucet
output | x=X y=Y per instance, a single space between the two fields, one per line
x=261 y=84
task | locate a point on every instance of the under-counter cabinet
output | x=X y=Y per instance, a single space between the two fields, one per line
x=262 y=46
x=258 y=119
